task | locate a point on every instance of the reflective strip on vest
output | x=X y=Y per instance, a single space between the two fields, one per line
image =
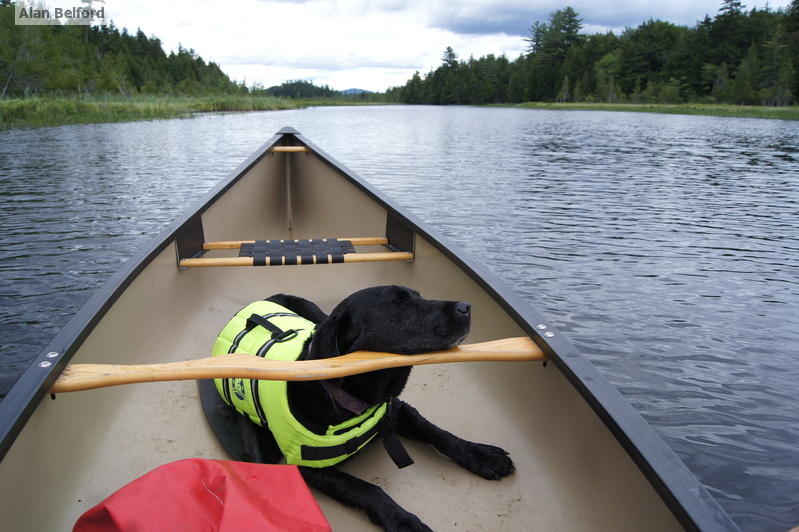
x=266 y=402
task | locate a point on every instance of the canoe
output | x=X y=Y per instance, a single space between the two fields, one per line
x=585 y=460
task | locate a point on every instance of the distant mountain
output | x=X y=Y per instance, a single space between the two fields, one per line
x=348 y=92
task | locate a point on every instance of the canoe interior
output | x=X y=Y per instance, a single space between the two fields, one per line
x=572 y=474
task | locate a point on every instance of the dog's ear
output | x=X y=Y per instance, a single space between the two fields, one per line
x=348 y=333
x=335 y=336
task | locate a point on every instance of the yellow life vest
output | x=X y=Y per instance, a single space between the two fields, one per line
x=272 y=331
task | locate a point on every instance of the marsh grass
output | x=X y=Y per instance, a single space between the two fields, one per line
x=740 y=111
x=37 y=112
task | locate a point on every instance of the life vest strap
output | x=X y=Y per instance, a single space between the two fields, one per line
x=391 y=442
x=394 y=446
x=278 y=334
x=347 y=448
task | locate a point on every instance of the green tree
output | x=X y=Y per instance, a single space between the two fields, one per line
x=717 y=78
x=450 y=58
x=728 y=33
x=85 y=59
x=670 y=91
x=636 y=96
x=578 y=92
x=791 y=22
x=607 y=70
x=565 y=26
x=413 y=90
x=451 y=84
x=646 y=51
x=517 y=82
x=731 y=7
x=551 y=43
x=744 y=88
x=581 y=61
x=655 y=61
x=565 y=94
x=777 y=70
x=536 y=40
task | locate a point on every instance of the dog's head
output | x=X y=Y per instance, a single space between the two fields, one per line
x=393 y=319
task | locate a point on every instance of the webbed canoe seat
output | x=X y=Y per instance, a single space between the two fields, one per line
x=296 y=252
x=192 y=248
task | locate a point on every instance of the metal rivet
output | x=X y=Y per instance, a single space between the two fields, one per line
x=52 y=354
x=549 y=334
x=45 y=364
x=541 y=326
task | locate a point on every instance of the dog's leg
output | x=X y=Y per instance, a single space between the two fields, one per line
x=487 y=461
x=357 y=493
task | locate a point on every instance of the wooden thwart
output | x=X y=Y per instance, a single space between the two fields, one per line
x=236 y=244
x=290 y=149
x=77 y=377
x=249 y=261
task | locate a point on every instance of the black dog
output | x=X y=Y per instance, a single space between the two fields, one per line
x=391 y=319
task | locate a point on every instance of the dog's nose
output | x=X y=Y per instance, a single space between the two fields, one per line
x=463 y=308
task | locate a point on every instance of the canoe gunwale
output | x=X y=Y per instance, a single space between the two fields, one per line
x=690 y=502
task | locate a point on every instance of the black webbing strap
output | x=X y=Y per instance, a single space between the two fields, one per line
x=278 y=334
x=391 y=442
x=309 y=251
x=334 y=451
x=338 y=248
x=394 y=446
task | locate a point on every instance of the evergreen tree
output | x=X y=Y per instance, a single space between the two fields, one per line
x=656 y=61
x=70 y=59
x=646 y=51
x=744 y=88
x=564 y=95
x=728 y=34
x=731 y=8
x=791 y=23
x=559 y=35
x=578 y=91
x=450 y=58
x=718 y=80
x=413 y=90
x=607 y=70
x=536 y=40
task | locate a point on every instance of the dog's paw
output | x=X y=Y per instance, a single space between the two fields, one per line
x=405 y=522
x=487 y=461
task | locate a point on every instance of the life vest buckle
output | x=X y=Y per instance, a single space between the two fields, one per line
x=284 y=336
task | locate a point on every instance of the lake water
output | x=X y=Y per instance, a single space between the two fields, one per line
x=665 y=247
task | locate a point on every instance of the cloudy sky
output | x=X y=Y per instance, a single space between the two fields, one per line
x=371 y=44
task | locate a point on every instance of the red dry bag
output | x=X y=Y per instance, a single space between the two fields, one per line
x=210 y=495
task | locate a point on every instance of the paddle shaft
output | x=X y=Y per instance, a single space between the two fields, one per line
x=77 y=377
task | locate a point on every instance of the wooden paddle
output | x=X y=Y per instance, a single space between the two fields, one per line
x=77 y=377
